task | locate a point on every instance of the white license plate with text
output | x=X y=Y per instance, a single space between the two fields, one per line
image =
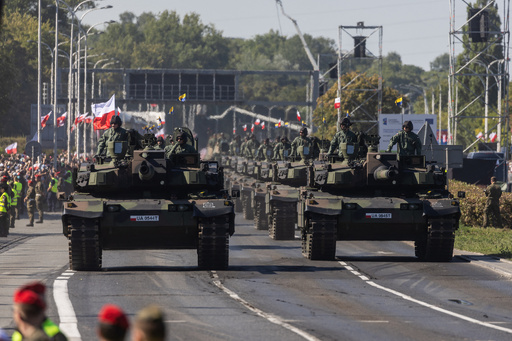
x=144 y=218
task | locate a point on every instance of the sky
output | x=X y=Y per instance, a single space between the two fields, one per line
x=418 y=30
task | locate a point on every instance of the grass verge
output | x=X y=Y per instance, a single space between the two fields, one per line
x=488 y=241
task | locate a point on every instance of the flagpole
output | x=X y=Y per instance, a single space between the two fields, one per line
x=56 y=54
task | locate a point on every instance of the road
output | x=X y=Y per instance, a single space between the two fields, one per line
x=373 y=291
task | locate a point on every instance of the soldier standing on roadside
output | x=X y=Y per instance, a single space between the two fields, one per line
x=492 y=205
x=39 y=198
x=30 y=199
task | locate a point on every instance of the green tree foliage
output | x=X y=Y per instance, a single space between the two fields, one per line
x=364 y=118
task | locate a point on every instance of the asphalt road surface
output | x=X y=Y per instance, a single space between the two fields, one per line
x=373 y=291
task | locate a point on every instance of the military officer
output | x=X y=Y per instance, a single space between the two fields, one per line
x=180 y=147
x=302 y=141
x=114 y=133
x=408 y=143
x=30 y=200
x=492 y=205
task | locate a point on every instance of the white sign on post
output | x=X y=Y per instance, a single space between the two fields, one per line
x=390 y=124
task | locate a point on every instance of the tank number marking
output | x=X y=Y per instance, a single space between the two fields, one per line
x=144 y=218
x=208 y=205
x=378 y=215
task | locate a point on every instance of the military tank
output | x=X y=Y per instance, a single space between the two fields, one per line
x=377 y=196
x=139 y=199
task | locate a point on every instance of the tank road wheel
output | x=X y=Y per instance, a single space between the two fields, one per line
x=319 y=243
x=260 y=216
x=213 y=243
x=282 y=221
x=248 y=212
x=84 y=245
x=437 y=245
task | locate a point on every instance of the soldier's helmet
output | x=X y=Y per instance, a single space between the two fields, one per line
x=181 y=136
x=304 y=131
x=346 y=122
x=407 y=124
x=116 y=120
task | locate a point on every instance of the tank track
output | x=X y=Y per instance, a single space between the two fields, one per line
x=260 y=216
x=319 y=242
x=213 y=243
x=437 y=245
x=247 y=209
x=85 y=253
x=282 y=220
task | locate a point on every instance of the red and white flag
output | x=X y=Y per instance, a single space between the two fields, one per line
x=234 y=130
x=298 y=116
x=263 y=125
x=252 y=129
x=492 y=137
x=12 y=148
x=257 y=122
x=160 y=133
x=103 y=112
x=279 y=123
x=245 y=127
x=45 y=119
x=337 y=103
x=61 y=120
x=480 y=135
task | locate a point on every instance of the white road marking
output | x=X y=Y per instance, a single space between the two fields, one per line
x=433 y=307
x=269 y=317
x=68 y=322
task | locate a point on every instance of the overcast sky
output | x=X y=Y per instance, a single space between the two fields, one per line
x=417 y=29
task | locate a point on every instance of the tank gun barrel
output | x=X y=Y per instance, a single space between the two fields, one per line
x=385 y=173
x=146 y=171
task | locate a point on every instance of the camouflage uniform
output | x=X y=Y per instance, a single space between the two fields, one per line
x=39 y=189
x=492 y=205
x=251 y=147
x=280 y=148
x=234 y=146
x=408 y=143
x=300 y=141
x=264 y=151
x=111 y=134
x=342 y=136
x=178 y=148
x=30 y=199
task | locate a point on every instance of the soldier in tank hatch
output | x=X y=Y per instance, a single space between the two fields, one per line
x=114 y=133
x=408 y=143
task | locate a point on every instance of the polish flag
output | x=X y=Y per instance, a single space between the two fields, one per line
x=480 y=135
x=234 y=130
x=279 y=123
x=103 y=112
x=263 y=125
x=298 y=116
x=492 y=136
x=257 y=122
x=245 y=127
x=12 y=148
x=252 y=129
x=61 y=120
x=337 y=103
x=45 y=119
x=160 y=133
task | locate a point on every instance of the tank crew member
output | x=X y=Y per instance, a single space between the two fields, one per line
x=160 y=143
x=242 y=146
x=345 y=135
x=301 y=141
x=282 y=149
x=30 y=199
x=408 y=143
x=114 y=133
x=264 y=151
x=492 y=205
x=180 y=147
x=251 y=147
x=234 y=146
x=4 y=210
x=39 y=188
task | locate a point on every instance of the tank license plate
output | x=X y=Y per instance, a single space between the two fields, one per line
x=378 y=215
x=144 y=218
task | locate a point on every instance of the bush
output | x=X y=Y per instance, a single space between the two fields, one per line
x=472 y=207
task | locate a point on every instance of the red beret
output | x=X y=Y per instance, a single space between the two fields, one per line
x=112 y=314
x=25 y=296
x=37 y=287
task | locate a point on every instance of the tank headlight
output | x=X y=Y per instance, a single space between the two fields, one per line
x=349 y=206
x=113 y=208
x=182 y=208
x=455 y=203
x=144 y=155
x=312 y=202
x=227 y=203
x=70 y=205
x=413 y=206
